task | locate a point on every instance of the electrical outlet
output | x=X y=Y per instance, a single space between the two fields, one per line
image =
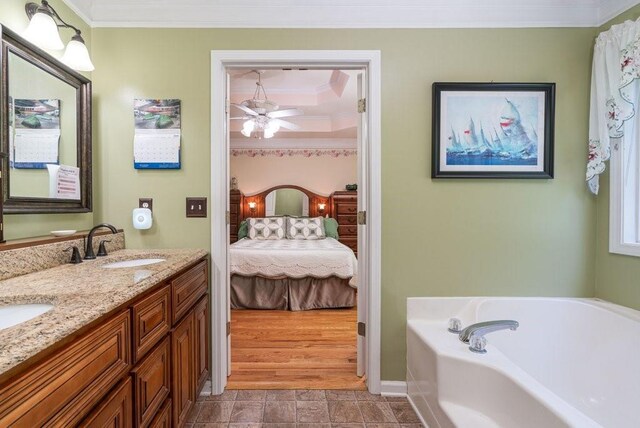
x=196 y=207
x=145 y=203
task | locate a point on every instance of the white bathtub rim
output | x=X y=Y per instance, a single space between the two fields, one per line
x=416 y=305
x=495 y=360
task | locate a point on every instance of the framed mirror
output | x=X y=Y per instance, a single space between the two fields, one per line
x=286 y=202
x=46 y=131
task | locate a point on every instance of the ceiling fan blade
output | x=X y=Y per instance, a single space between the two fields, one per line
x=285 y=113
x=238 y=118
x=285 y=124
x=245 y=109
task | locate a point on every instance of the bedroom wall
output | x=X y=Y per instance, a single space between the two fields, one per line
x=320 y=174
x=616 y=275
x=27 y=225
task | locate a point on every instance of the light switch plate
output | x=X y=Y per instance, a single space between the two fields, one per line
x=145 y=203
x=196 y=207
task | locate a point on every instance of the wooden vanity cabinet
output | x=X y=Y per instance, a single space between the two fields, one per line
x=115 y=410
x=142 y=367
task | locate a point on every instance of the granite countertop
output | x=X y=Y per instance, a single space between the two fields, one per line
x=80 y=294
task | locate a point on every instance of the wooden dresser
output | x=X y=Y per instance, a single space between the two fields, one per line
x=344 y=208
x=236 y=204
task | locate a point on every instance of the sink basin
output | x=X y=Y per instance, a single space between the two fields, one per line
x=132 y=263
x=11 y=315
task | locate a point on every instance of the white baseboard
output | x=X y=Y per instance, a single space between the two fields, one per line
x=393 y=388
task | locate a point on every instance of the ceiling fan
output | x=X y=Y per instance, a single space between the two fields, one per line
x=262 y=116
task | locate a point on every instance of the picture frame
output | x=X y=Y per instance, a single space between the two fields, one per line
x=493 y=130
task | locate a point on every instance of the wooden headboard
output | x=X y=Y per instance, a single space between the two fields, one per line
x=341 y=205
x=240 y=210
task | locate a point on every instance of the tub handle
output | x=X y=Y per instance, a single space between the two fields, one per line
x=455 y=325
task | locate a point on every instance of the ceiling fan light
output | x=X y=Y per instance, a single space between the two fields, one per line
x=246 y=132
x=268 y=133
x=76 y=55
x=43 y=31
x=273 y=127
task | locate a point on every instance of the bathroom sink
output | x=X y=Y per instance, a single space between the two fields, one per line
x=132 y=263
x=11 y=315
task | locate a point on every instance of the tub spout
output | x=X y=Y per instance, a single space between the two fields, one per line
x=482 y=328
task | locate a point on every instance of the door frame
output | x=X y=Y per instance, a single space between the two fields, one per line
x=220 y=61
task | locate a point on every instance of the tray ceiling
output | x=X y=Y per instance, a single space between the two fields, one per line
x=348 y=13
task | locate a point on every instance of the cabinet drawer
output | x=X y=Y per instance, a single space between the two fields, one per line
x=116 y=410
x=347 y=208
x=152 y=383
x=347 y=231
x=151 y=321
x=188 y=288
x=350 y=242
x=347 y=220
x=61 y=390
x=163 y=418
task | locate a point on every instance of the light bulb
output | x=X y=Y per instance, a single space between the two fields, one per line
x=76 y=55
x=43 y=32
x=247 y=128
x=273 y=126
x=268 y=133
x=246 y=132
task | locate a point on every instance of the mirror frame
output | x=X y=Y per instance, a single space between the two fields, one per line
x=13 y=43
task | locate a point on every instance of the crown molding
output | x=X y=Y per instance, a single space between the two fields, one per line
x=348 y=13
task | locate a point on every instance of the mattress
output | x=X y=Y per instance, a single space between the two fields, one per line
x=292 y=258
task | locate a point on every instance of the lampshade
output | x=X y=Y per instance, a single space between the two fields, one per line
x=268 y=133
x=43 y=32
x=76 y=55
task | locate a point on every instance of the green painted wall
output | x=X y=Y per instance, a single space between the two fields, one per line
x=26 y=225
x=440 y=238
x=616 y=275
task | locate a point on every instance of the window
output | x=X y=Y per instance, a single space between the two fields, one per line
x=624 y=205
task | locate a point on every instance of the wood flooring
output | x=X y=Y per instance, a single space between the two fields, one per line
x=294 y=350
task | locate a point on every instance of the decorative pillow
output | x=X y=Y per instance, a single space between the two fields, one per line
x=243 y=230
x=305 y=228
x=267 y=228
x=330 y=228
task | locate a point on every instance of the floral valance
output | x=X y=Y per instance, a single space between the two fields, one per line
x=614 y=94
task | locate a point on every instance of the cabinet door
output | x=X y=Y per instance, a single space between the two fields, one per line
x=152 y=380
x=163 y=418
x=201 y=314
x=115 y=411
x=183 y=370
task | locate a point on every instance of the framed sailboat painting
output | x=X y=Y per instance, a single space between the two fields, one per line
x=493 y=130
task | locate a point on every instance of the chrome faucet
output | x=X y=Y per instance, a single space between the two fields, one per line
x=88 y=253
x=474 y=334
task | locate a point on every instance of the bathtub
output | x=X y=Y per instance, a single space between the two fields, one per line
x=571 y=363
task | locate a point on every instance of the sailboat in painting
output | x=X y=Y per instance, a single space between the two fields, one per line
x=505 y=142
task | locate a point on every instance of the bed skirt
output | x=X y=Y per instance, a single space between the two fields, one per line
x=295 y=294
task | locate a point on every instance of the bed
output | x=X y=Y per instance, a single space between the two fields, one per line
x=294 y=275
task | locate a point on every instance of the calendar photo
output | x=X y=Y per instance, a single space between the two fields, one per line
x=156 y=143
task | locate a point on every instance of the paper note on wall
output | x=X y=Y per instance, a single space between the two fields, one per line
x=64 y=182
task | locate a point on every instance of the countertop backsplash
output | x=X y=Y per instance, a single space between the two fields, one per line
x=22 y=261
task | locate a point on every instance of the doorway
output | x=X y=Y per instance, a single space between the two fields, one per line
x=369 y=200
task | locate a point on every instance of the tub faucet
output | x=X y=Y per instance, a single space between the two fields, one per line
x=482 y=328
x=88 y=253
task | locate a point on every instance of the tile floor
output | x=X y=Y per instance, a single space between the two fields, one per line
x=301 y=409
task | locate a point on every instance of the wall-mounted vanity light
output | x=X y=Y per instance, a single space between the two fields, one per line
x=252 y=207
x=43 y=32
